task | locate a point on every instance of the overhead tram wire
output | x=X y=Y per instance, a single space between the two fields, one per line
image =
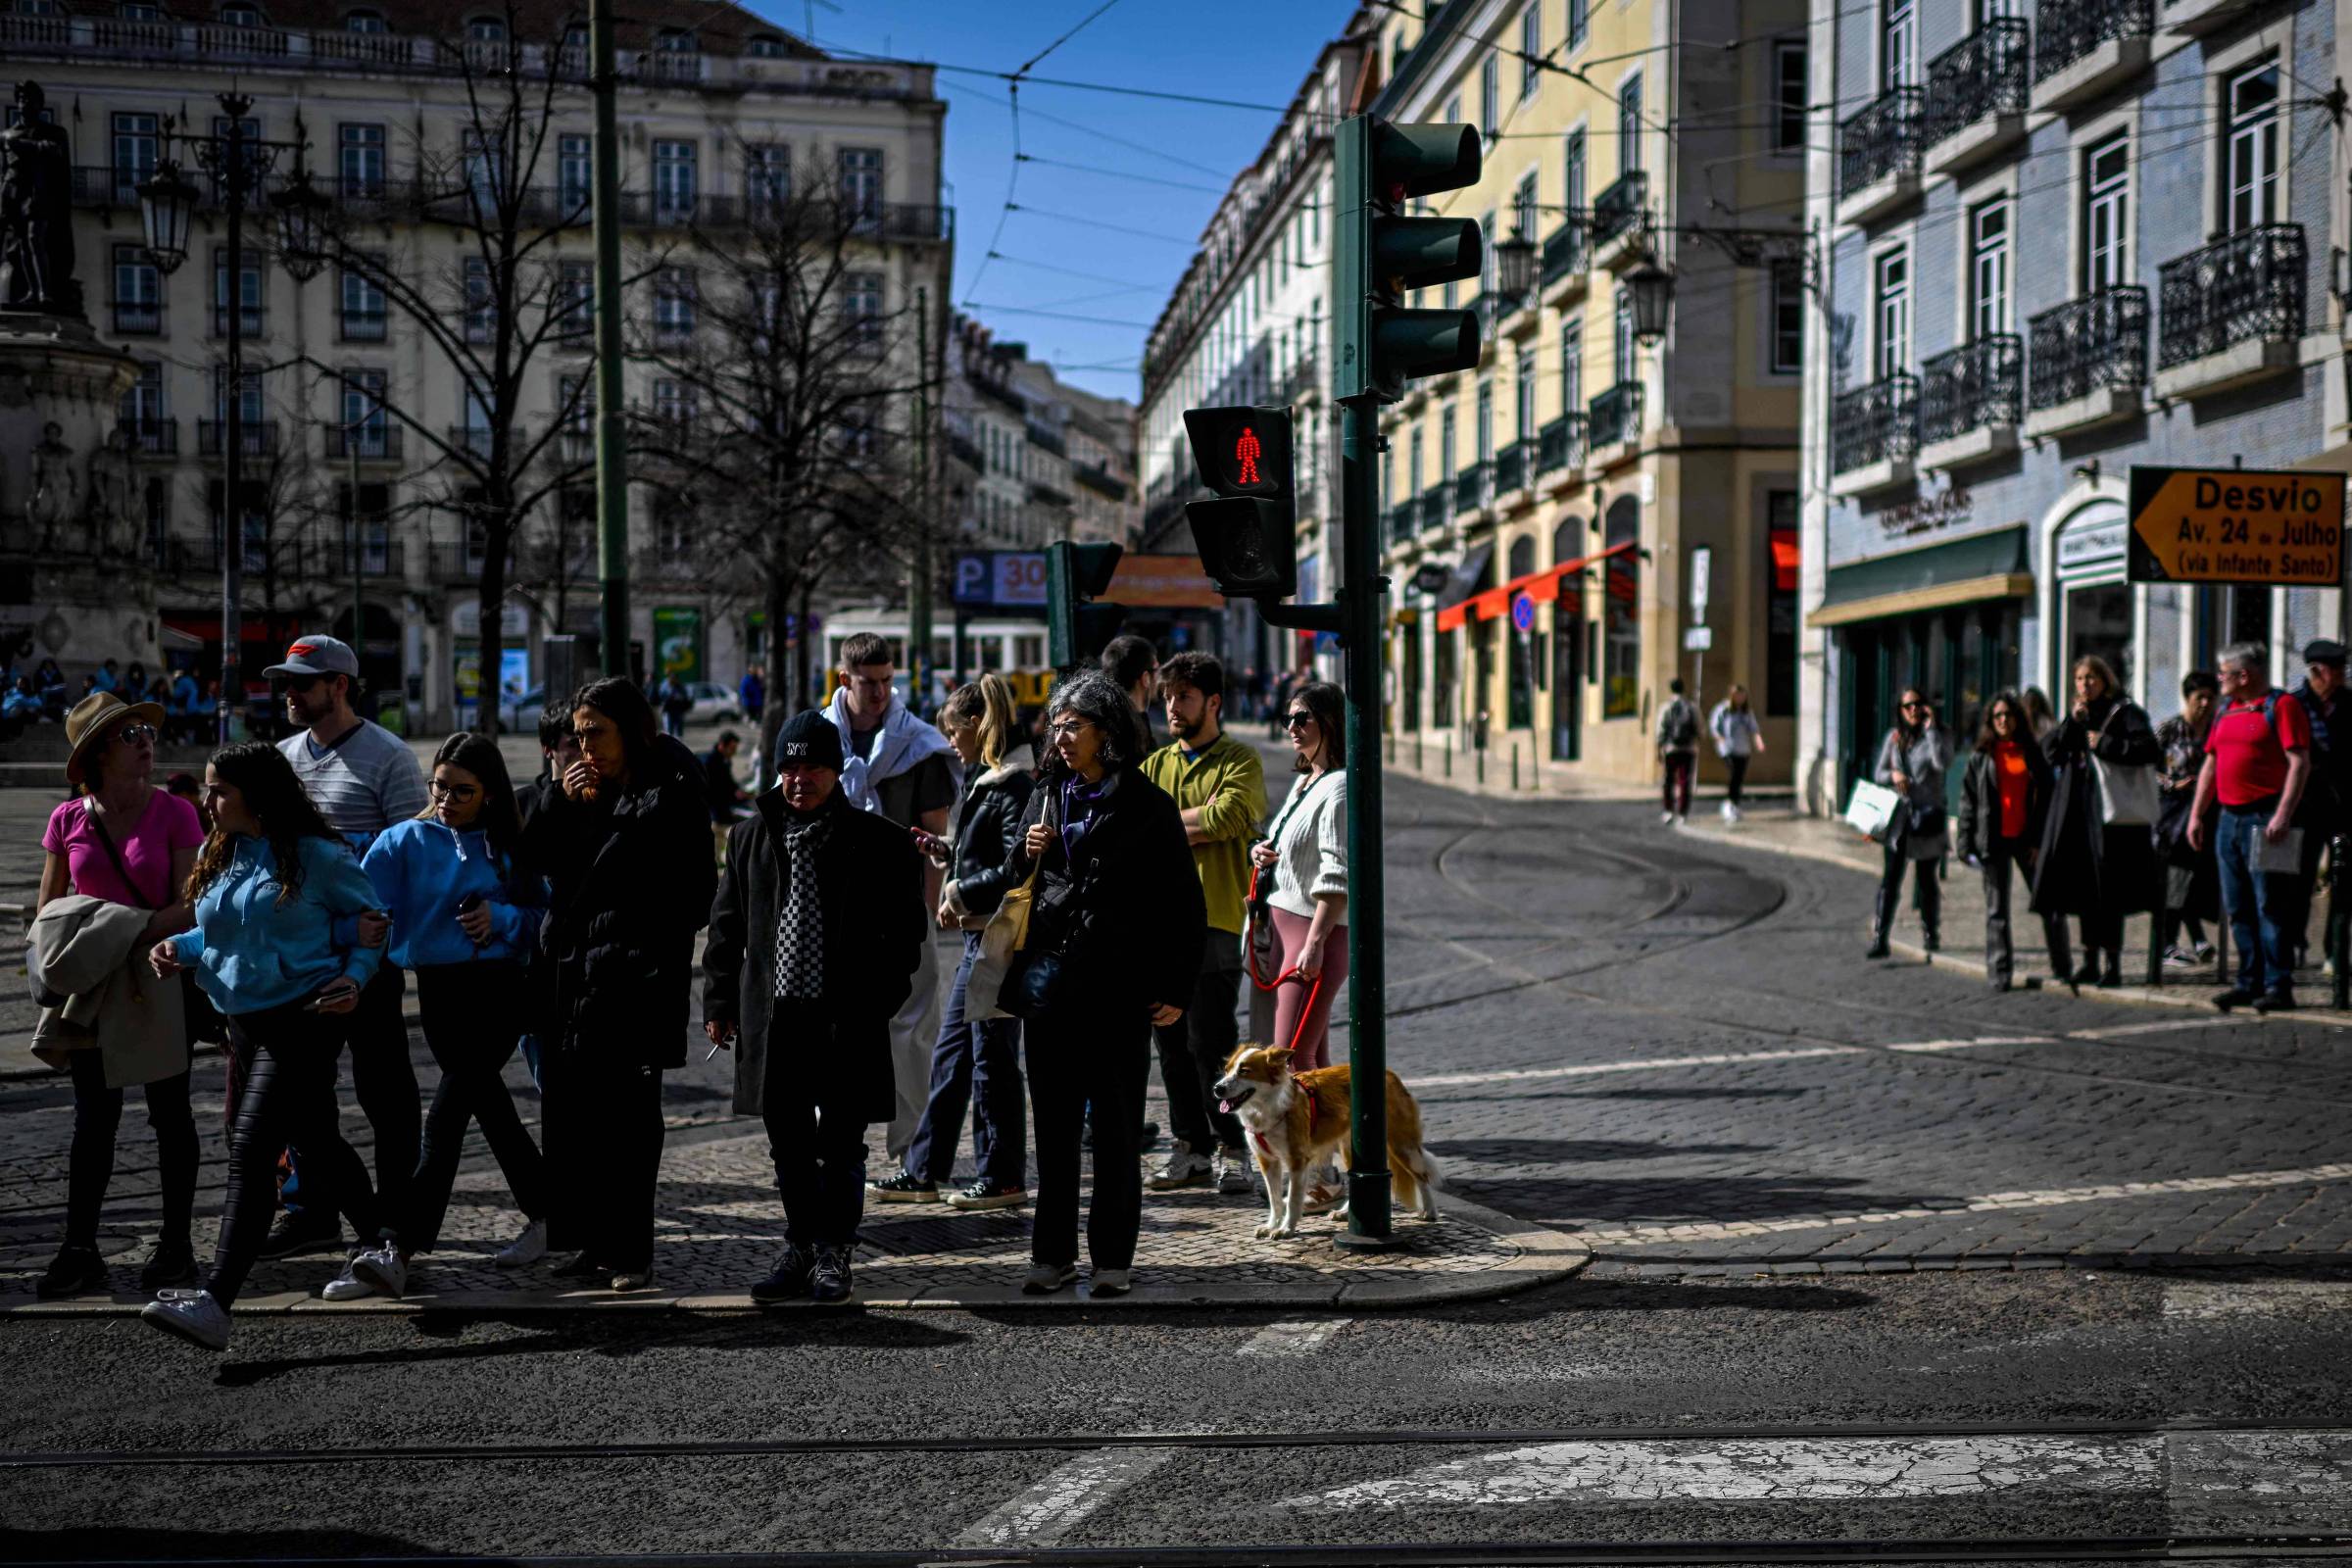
x=1120 y=173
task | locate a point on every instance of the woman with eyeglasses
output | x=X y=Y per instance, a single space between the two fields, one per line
x=2003 y=797
x=123 y=840
x=1302 y=870
x=463 y=916
x=1116 y=931
x=2096 y=872
x=1912 y=761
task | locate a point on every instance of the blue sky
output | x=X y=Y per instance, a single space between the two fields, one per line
x=1253 y=51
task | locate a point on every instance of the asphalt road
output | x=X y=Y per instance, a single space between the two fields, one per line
x=1878 y=1256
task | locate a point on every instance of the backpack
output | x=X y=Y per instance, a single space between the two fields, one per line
x=1680 y=725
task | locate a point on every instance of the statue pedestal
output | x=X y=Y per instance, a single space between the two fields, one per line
x=73 y=573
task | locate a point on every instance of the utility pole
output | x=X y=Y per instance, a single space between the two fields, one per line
x=612 y=470
x=918 y=591
x=232 y=457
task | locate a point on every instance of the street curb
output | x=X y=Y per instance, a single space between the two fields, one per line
x=2179 y=998
x=1541 y=1257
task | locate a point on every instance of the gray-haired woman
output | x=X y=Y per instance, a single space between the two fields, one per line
x=1912 y=761
x=1116 y=931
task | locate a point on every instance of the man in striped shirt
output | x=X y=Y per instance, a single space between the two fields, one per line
x=362 y=778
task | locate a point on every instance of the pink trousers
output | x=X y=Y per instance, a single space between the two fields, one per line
x=1291 y=997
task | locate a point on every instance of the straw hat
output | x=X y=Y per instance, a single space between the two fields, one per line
x=93 y=719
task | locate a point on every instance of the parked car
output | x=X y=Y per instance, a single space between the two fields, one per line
x=520 y=715
x=714 y=703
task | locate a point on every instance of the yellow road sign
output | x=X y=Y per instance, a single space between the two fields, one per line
x=2239 y=525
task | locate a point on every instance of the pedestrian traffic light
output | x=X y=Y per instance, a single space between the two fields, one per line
x=1245 y=535
x=1076 y=631
x=1382 y=253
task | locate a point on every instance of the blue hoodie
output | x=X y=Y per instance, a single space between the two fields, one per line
x=251 y=953
x=421 y=868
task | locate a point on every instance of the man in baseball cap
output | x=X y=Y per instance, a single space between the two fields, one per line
x=317 y=654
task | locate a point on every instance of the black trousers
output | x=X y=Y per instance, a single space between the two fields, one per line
x=1676 y=787
x=97 y=1114
x=602 y=1125
x=1926 y=891
x=472 y=1016
x=1088 y=1066
x=1193 y=1049
x=2000 y=953
x=384 y=1081
x=2101 y=934
x=1736 y=782
x=286 y=1062
x=816 y=1141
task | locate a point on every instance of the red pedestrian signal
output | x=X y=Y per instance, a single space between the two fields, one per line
x=1245 y=454
x=1245 y=534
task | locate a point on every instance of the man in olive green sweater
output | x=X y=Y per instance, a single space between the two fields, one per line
x=1219 y=785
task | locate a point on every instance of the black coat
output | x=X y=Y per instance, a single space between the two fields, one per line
x=870 y=879
x=629 y=884
x=987 y=824
x=1126 y=916
x=1981 y=801
x=2087 y=867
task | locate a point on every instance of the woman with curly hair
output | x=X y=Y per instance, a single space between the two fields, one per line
x=270 y=886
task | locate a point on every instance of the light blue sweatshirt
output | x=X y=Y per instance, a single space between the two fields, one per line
x=421 y=868
x=251 y=953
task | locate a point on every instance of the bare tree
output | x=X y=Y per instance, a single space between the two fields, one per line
x=278 y=522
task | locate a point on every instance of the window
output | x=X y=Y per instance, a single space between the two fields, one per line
x=1789 y=96
x=483 y=162
x=364 y=22
x=1531 y=49
x=1893 y=295
x=861 y=180
x=249 y=294
x=1572 y=366
x=675 y=41
x=1485 y=423
x=674 y=533
x=2253 y=194
x=1524 y=221
x=360 y=155
x=764 y=46
x=1490 y=96
x=1899 y=47
x=138 y=291
x=137 y=146
x=766 y=176
x=1572 y=185
x=142 y=407
x=1414 y=472
x=1787 y=319
x=1989 y=269
x=362 y=301
x=238 y=15
x=1780 y=602
x=1446 y=452
x=675 y=181
x=574 y=301
x=1628 y=125
x=1578 y=23
x=1523 y=397
x=1620 y=341
x=481 y=308
x=575 y=415
x=575 y=175
x=249 y=397
x=485 y=29
x=673 y=303
x=366 y=424
x=2106 y=200
x=862 y=298
x=474 y=435
x=1621 y=614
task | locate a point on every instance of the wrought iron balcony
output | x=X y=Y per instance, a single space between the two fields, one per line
x=1973 y=386
x=1404 y=521
x=469 y=438
x=1565 y=251
x=254 y=318
x=1561 y=443
x=1510 y=467
x=1470 y=487
x=156 y=437
x=370 y=557
x=1983 y=75
x=258 y=438
x=1437 y=503
x=362 y=326
x=2249 y=285
x=2086 y=345
x=138 y=317
x=369 y=443
x=2068 y=30
x=1620 y=209
x=1874 y=424
x=1882 y=139
x=1615 y=416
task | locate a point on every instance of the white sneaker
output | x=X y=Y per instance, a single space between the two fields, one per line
x=1234 y=1171
x=384 y=1268
x=1110 y=1282
x=1182 y=1169
x=1730 y=812
x=1665 y=819
x=193 y=1315
x=524 y=1250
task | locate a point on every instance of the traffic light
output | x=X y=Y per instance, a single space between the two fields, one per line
x=1382 y=254
x=1076 y=631
x=1244 y=535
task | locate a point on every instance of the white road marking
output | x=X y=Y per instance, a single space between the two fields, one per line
x=1041 y=1514
x=1991 y=1202
x=2127 y=1030
x=1300 y=1338
x=2312 y=1468
x=1721 y=1059
x=2202 y=1301
x=1963 y=1045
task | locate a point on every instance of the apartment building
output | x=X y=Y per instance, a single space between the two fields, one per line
x=722 y=113
x=1031 y=458
x=2064 y=238
x=1568 y=488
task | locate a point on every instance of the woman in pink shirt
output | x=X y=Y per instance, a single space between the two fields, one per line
x=123 y=840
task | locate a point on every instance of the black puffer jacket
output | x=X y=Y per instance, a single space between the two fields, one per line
x=630 y=883
x=986 y=825
x=1981 y=801
x=1127 y=913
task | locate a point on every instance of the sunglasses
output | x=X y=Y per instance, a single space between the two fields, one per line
x=136 y=733
x=1299 y=721
x=301 y=683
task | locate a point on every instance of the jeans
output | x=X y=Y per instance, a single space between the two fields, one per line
x=819 y=1150
x=1679 y=767
x=97 y=1113
x=470 y=1024
x=1193 y=1049
x=1735 y=783
x=2000 y=958
x=1927 y=893
x=1090 y=1066
x=2251 y=900
x=385 y=1081
x=977 y=1062
x=286 y=1060
x=602 y=1127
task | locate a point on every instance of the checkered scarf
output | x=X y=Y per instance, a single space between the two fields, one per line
x=800 y=928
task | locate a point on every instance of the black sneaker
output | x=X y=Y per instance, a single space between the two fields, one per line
x=2089 y=973
x=980 y=1196
x=580 y=1265
x=2111 y=977
x=2234 y=997
x=297 y=1234
x=829 y=1280
x=74 y=1272
x=2275 y=1002
x=903 y=1188
x=788 y=1281
x=174 y=1263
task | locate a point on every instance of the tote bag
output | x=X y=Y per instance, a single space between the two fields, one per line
x=2128 y=793
x=1000 y=942
x=1872 y=809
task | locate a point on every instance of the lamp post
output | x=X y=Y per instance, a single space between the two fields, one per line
x=237 y=161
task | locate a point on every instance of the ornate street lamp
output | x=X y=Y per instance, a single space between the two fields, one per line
x=167 y=202
x=1515 y=265
x=1652 y=290
x=301 y=227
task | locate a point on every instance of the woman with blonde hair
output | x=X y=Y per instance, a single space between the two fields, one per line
x=2087 y=869
x=977 y=1061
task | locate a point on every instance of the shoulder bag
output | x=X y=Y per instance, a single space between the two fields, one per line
x=2127 y=792
x=1003 y=941
x=203 y=1019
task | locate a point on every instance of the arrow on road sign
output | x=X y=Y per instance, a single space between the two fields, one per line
x=2237 y=526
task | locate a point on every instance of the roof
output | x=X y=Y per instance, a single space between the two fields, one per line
x=721 y=26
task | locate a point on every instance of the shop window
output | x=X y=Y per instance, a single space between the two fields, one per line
x=1779 y=603
x=1621 y=615
x=1520 y=653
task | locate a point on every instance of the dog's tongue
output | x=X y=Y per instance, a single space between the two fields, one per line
x=1225 y=1107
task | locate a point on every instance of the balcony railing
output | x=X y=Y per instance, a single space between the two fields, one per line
x=1437 y=503
x=1042 y=435
x=1470 y=492
x=2086 y=345
x=1304 y=377
x=1403 y=521
x=2249 y=285
x=364 y=326
x=156 y=437
x=1621 y=208
x=2065 y=31
x=258 y=438
x=370 y=557
x=1874 y=424
x=139 y=316
x=1565 y=252
x=1983 y=75
x=1561 y=443
x=471 y=438
x=1882 y=139
x=378 y=443
x=1510 y=467
x=1973 y=386
x=669 y=65
x=1615 y=416
x=254 y=318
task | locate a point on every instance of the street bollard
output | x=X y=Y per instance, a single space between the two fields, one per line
x=2337 y=944
x=1514 y=767
x=1416 y=751
x=1449 y=754
x=1482 y=764
x=2156 y=933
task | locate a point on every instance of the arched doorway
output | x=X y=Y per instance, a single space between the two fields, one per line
x=1568 y=645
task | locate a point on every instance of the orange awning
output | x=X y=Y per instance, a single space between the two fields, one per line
x=1785 y=557
x=1542 y=587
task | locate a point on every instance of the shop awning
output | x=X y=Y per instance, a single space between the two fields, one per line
x=2334 y=460
x=1468 y=573
x=1986 y=566
x=1542 y=587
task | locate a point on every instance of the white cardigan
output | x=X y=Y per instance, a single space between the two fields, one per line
x=1310 y=853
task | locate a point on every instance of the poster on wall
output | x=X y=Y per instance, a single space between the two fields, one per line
x=513 y=675
x=678 y=642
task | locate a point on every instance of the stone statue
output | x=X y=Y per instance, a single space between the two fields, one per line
x=110 y=506
x=50 y=499
x=36 y=212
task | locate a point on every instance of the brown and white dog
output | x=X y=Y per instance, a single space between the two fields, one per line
x=1298 y=1123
